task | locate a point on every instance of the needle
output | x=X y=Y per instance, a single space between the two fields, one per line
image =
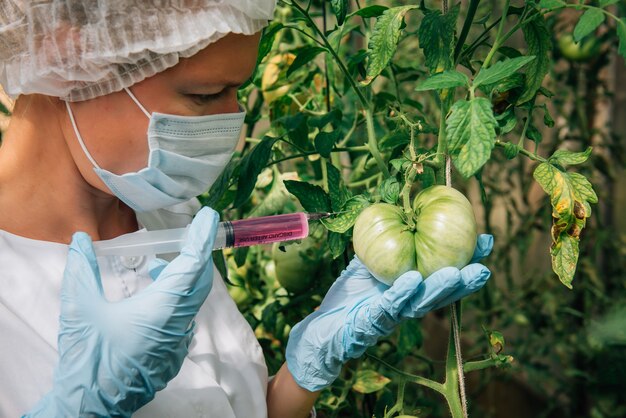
x=316 y=216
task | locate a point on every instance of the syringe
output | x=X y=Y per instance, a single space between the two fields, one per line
x=240 y=233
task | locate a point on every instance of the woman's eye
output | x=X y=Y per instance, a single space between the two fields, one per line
x=206 y=98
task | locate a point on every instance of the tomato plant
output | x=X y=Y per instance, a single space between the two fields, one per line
x=377 y=102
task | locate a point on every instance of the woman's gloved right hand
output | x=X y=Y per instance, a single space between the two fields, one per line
x=114 y=357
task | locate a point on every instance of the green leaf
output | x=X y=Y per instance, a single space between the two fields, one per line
x=369 y=381
x=4 y=109
x=551 y=4
x=389 y=190
x=444 y=80
x=312 y=198
x=400 y=164
x=589 y=21
x=340 y=9
x=251 y=166
x=621 y=34
x=304 y=56
x=565 y=157
x=325 y=141
x=471 y=134
x=506 y=121
x=547 y=119
x=267 y=40
x=533 y=133
x=337 y=190
x=221 y=184
x=409 y=337
x=604 y=3
x=337 y=243
x=384 y=40
x=333 y=117
x=240 y=254
x=436 y=38
x=345 y=219
x=370 y=11
x=564 y=258
x=298 y=131
x=539 y=42
x=220 y=264
x=511 y=150
x=500 y=70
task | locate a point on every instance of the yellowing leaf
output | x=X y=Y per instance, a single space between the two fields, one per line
x=537 y=37
x=554 y=183
x=384 y=40
x=436 y=38
x=369 y=381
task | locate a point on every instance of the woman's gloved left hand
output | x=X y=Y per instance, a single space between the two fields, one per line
x=114 y=356
x=358 y=309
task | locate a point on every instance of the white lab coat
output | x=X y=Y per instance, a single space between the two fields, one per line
x=223 y=376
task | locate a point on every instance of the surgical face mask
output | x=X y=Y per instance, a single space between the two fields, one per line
x=186 y=155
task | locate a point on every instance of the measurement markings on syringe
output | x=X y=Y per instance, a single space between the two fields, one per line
x=265 y=237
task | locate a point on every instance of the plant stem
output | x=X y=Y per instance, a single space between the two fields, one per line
x=364 y=182
x=451 y=384
x=471 y=12
x=498 y=41
x=479 y=365
x=436 y=386
x=525 y=152
x=338 y=60
x=372 y=143
x=476 y=43
x=442 y=141
x=326 y=61
x=308 y=153
x=324 y=174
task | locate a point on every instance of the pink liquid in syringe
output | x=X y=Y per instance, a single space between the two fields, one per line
x=269 y=229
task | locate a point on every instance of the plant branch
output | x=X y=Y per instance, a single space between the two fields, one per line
x=479 y=365
x=363 y=182
x=436 y=386
x=498 y=41
x=525 y=152
x=451 y=384
x=469 y=19
x=308 y=153
x=330 y=48
x=372 y=143
x=478 y=40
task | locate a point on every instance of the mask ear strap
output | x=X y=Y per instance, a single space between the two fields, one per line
x=132 y=96
x=80 y=138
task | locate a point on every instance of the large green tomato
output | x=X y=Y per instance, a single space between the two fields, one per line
x=297 y=267
x=440 y=233
x=582 y=51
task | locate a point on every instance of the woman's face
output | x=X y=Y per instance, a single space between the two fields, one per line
x=114 y=128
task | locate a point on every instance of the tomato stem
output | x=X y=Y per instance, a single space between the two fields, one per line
x=372 y=143
x=451 y=383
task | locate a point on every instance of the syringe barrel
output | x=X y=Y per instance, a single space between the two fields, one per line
x=241 y=233
x=263 y=230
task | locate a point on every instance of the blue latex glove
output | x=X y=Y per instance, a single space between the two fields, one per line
x=113 y=357
x=358 y=309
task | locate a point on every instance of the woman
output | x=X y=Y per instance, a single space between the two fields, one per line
x=126 y=110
